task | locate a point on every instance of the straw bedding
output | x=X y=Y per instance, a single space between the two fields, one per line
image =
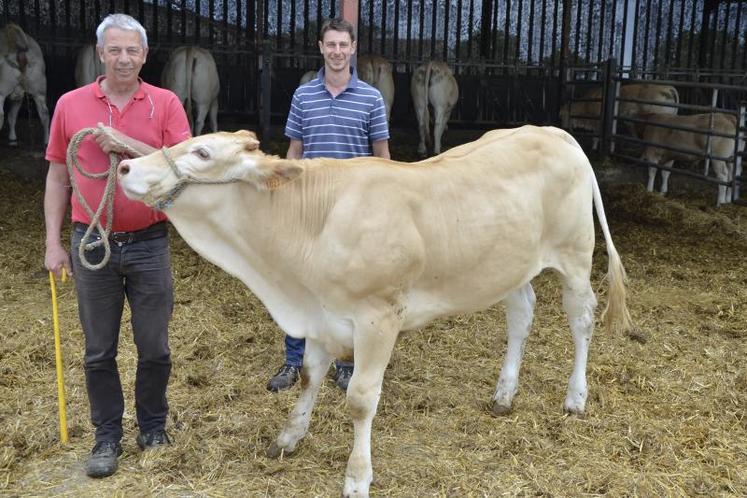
x=665 y=416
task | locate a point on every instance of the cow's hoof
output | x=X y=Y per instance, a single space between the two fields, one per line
x=13 y=143
x=574 y=411
x=499 y=410
x=275 y=451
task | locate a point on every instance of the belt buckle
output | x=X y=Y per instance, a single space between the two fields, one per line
x=121 y=238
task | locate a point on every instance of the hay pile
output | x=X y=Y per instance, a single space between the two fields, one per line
x=665 y=416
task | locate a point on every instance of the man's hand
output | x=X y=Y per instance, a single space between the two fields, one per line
x=56 y=258
x=110 y=140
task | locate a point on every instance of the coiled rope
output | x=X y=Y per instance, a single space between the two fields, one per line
x=107 y=200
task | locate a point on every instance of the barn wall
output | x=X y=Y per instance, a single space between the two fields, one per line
x=508 y=54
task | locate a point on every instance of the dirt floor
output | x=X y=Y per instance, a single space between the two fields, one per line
x=665 y=416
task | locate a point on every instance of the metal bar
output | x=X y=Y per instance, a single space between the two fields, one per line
x=470 y=23
x=196 y=15
x=279 y=26
x=184 y=22
x=698 y=131
x=371 y=25
x=141 y=11
x=519 y=26
x=636 y=17
x=319 y=17
x=292 y=27
x=37 y=17
x=543 y=23
x=530 y=33
x=22 y=15
x=646 y=35
x=395 y=40
x=727 y=7
x=578 y=31
x=383 y=26
x=739 y=135
x=668 y=43
x=737 y=35
x=408 y=45
x=713 y=35
x=446 y=30
x=211 y=17
x=332 y=9
x=613 y=27
x=589 y=22
x=458 y=46
x=225 y=22
x=81 y=17
x=691 y=38
x=600 y=44
x=420 y=33
x=306 y=42
x=657 y=38
x=434 y=26
x=52 y=15
x=556 y=7
x=505 y=31
x=154 y=15
x=640 y=162
x=678 y=54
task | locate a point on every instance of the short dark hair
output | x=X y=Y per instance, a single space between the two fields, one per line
x=336 y=24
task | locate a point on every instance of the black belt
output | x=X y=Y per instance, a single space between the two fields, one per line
x=155 y=231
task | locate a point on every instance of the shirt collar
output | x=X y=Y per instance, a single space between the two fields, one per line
x=99 y=93
x=352 y=83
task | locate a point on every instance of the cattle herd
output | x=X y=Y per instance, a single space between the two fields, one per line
x=192 y=74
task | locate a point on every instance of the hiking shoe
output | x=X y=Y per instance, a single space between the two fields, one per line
x=103 y=459
x=342 y=376
x=153 y=439
x=284 y=378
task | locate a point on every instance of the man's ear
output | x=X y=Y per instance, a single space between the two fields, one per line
x=354 y=46
x=321 y=47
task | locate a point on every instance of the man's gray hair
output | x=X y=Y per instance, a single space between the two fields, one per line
x=123 y=22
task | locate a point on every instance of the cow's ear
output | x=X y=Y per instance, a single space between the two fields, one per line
x=249 y=138
x=279 y=172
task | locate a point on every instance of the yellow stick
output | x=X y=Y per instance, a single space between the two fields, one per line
x=58 y=358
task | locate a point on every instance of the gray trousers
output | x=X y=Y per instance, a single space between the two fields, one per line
x=139 y=271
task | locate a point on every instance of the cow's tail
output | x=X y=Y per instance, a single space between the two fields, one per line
x=16 y=37
x=615 y=314
x=426 y=111
x=189 y=63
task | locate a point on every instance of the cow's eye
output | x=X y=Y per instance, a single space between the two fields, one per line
x=202 y=153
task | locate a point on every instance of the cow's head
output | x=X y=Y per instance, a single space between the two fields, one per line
x=158 y=178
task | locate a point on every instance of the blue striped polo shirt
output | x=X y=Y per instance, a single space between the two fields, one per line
x=342 y=127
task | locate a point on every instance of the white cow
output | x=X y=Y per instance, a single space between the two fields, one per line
x=697 y=142
x=347 y=253
x=88 y=65
x=377 y=72
x=433 y=85
x=307 y=76
x=589 y=110
x=192 y=75
x=22 y=72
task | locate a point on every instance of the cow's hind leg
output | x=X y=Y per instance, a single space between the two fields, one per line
x=579 y=303
x=213 y=116
x=13 y=108
x=374 y=342
x=665 y=178
x=316 y=362
x=519 y=314
x=202 y=112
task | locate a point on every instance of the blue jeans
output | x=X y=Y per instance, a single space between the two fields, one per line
x=141 y=272
x=294 y=349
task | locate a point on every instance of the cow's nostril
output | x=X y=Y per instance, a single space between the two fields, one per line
x=124 y=169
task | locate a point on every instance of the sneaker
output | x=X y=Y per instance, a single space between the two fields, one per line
x=342 y=376
x=153 y=439
x=284 y=378
x=103 y=459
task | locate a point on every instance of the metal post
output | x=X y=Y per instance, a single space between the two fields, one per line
x=714 y=101
x=265 y=89
x=739 y=149
x=609 y=96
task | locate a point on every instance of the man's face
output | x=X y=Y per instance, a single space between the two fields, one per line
x=123 y=55
x=337 y=48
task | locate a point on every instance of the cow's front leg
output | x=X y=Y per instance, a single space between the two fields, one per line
x=374 y=340
x=316 y=361
x=579 y=303
x=519 y=315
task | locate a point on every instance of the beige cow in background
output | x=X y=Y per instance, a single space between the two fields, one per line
x=88 y=65
x=192 y=75
x=22 y=72
x=590 y=112
x=377 y=72
x=433 y=86
x=697 y=142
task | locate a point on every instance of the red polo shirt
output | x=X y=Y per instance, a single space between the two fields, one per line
x=153 y=116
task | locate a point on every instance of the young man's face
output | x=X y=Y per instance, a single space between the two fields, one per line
x=122 y=54
x=337 y=47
